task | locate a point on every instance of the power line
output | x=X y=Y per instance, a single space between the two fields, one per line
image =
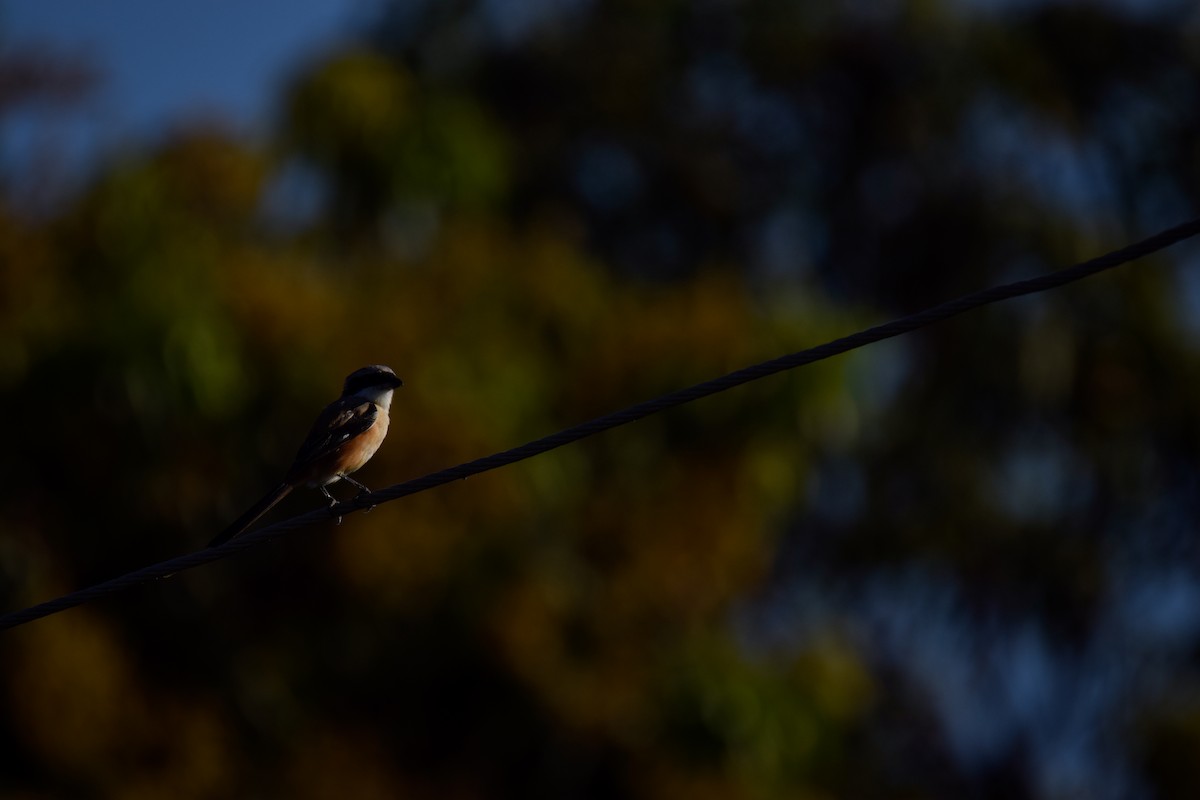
x=633 y=413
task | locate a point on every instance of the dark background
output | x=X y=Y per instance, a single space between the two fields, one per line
x=958 y=564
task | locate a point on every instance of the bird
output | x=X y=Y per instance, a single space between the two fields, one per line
x=344 y=437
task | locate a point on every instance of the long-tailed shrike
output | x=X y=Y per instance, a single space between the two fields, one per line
x=344 y=437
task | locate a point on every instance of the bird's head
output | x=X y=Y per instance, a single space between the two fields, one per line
x=375 y=383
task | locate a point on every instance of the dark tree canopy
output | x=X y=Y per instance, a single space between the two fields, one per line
x=960 y=564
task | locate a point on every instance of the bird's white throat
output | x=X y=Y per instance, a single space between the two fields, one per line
x=379 y=395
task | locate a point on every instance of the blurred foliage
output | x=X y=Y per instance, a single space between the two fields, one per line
x=959 y=564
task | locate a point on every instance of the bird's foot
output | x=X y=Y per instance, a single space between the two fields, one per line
x=333 y=503
x=362 y=489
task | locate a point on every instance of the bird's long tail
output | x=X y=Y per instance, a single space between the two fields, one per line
x=239 y=525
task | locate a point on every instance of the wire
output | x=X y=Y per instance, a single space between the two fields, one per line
x=633 y=413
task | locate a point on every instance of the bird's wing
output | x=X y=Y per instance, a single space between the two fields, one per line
x=340 y=422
